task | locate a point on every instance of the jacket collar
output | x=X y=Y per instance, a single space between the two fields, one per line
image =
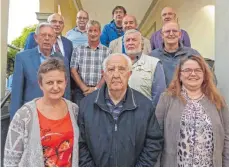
x=129 y=102
x=112 y=24
x=180 y=50
x=141 y=60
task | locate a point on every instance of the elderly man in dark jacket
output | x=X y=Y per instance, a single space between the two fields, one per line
x=117 y=124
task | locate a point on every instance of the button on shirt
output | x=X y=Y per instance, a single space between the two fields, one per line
x=88 y=62
x=77 y=37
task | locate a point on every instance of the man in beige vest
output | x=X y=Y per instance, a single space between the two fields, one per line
x=117 y=45
x=147 y=72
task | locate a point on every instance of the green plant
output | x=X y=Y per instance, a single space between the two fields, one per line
x=19 y=42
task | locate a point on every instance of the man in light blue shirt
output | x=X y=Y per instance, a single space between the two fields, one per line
x=78 y=35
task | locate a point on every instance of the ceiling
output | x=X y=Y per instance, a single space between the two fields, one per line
x=101 y=10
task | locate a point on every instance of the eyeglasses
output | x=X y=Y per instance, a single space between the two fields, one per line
x=44 y=35
x=82 y=18
x=120 y=70
x=188 y=71
x=169 y=14
x=167 y=32
x=57 y=21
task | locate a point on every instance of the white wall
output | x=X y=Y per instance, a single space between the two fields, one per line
x=222 y=47
x=199 y=22
x=101 y=10
x=3 y=35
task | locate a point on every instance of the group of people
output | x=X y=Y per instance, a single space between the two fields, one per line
x=112 y=97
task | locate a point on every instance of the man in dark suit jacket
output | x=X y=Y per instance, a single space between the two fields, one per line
x=62 y=45
x=25 y=85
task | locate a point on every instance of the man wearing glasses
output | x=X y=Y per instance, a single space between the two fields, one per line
x=168 y=14
x=78 y=35
x=25 y=85
x=62 y=44
x=173 y=50
x=113 y=30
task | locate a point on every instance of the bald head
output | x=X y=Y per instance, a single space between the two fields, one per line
x=55 y=15
x=82 y=18
x=57 y=22
x=129 y=22
x=168 y=14
x=168 y=24
x=82 y=12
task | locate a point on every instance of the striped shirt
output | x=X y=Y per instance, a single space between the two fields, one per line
x=88 y=62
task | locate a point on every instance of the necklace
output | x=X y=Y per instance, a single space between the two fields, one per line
x=198 y=98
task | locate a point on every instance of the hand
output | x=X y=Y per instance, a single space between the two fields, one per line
x=85 y=89
x=90 y=90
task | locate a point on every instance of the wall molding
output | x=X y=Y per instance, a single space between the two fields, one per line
x=78 y=5
x=150 y=29
x=42 y=17
x=147 y=14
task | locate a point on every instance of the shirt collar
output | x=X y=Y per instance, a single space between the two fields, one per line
x=88 y=46
x=107 y=97
x=39 y=51
x=58 y=37
x=77 y=29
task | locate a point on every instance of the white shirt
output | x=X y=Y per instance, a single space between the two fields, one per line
x=60 y=43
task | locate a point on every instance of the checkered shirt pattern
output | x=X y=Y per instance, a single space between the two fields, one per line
x=88 y=62
x=115 y=110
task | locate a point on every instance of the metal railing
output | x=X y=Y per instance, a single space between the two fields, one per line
x=8 y=93
x=13 y=47
x=5 y=115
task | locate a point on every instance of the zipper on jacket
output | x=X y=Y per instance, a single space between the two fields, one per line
x=116 y=145
x=116 y=127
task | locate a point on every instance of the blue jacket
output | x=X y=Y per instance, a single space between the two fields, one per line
x=25 y=85
x=110 y=33
x=170 y=63
x=68 y=47
x=134 y=139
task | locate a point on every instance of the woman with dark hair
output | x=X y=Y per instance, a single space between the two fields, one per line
x=194 y=118
x=44 y=131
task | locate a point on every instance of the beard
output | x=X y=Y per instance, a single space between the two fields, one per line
x=135 y=52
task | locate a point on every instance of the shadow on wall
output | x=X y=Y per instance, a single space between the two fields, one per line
x=152 y=28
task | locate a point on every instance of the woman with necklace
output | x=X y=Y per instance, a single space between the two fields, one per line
x=194 y=118
x=44 y=132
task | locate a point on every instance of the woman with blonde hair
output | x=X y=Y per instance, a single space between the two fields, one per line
x=194 y=118
x=44 y=131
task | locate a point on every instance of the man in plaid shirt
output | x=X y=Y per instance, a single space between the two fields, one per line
x=86 y=63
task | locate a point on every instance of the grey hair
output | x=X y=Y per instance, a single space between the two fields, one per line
x=132 y=31
x=92 y=23
x=39 y=26
x=51 y=16
x=51 y=64
x=129 y=62
x=137 y=32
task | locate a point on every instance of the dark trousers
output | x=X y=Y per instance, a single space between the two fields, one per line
x=77 y=95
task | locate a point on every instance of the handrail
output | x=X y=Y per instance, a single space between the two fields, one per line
x=8 y=92
x=3 y=102
x=13 y=47
x=7 y=96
